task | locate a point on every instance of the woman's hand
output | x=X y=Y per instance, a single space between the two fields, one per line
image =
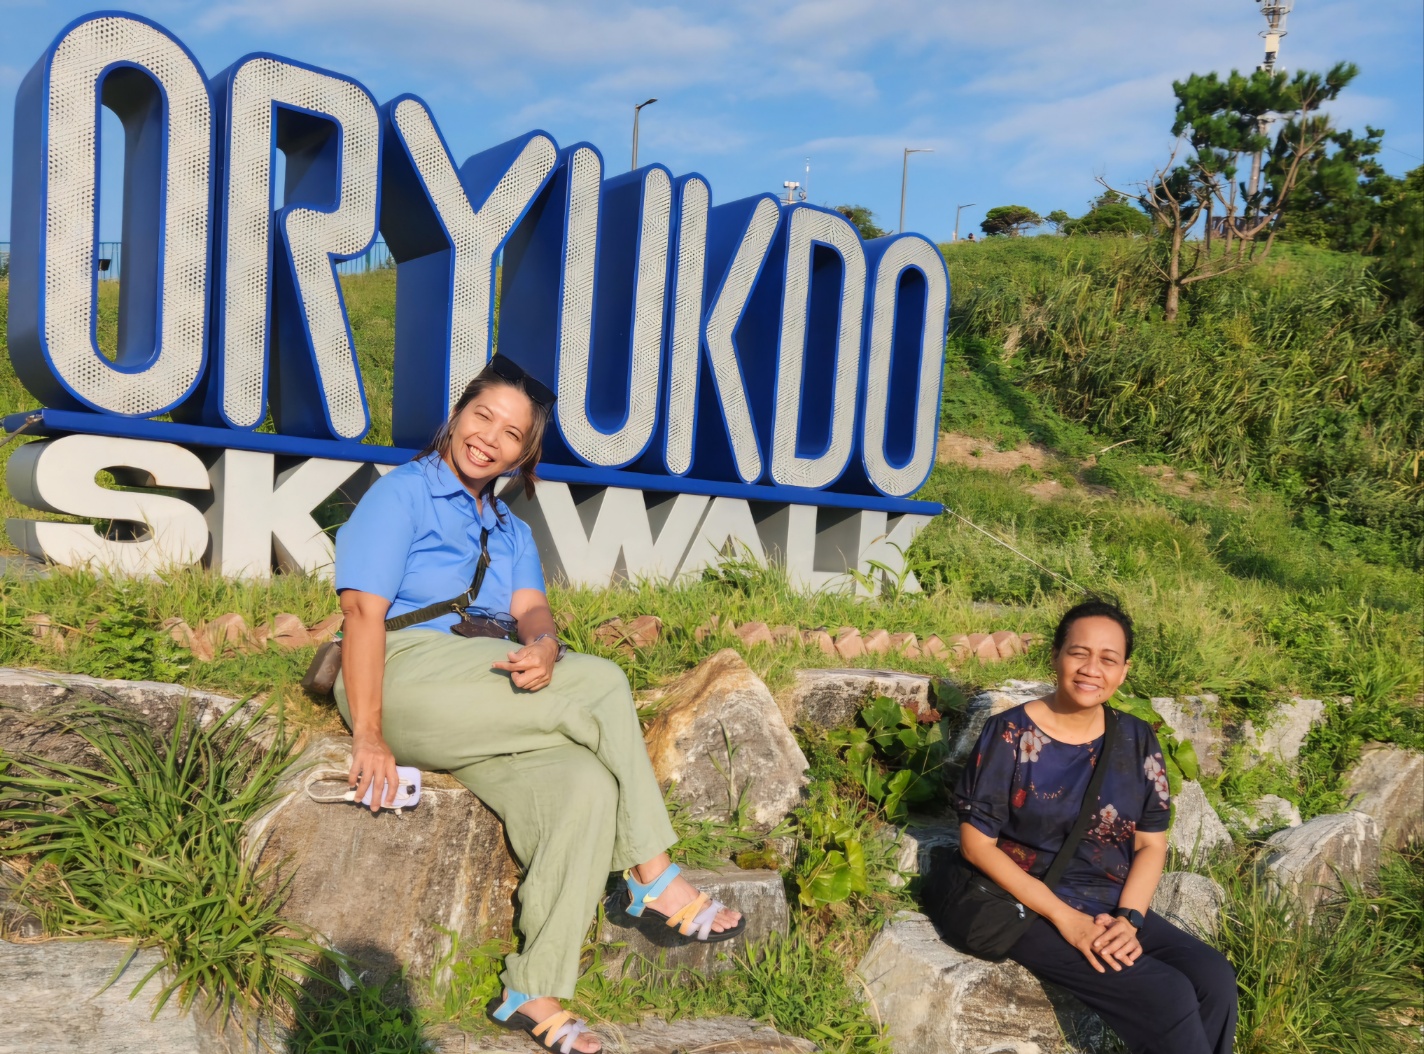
x=372 y=763
x=1118 y=941
x=532 y=666
x=1083 y=931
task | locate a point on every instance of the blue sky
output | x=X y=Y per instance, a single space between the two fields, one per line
x=1023 y=103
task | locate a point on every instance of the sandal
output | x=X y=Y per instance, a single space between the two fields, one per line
x=331 y=785
x=694 y=920
x=560 y=1027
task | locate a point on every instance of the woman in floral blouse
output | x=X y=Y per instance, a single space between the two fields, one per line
x=1161 y=989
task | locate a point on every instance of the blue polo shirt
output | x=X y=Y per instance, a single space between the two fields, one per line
x=414 y=538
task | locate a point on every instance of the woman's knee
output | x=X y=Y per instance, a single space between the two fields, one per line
x=1214 y=976
x=591 y=788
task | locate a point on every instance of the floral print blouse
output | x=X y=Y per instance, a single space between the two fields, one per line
x=1025 y=788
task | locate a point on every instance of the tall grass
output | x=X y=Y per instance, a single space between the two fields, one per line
x=143 y=844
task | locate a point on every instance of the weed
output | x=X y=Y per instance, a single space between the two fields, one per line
x=894 y=758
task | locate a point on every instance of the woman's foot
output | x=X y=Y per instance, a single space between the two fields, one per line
x=541 y=1008
x=679 y=893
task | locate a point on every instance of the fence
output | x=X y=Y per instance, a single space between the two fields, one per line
x=110 y=260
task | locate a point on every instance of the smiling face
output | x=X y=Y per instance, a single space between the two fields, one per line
x=487 y=437
x=1092 y=663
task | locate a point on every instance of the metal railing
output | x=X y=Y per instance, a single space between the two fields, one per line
x=109 y=262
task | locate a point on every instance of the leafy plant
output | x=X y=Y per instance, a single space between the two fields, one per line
x=1178 y=755
x=144 y=844
x=125 y=644
x=894 y=757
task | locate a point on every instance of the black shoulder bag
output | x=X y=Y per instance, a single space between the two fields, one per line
x=326 y=663
x=976 y=915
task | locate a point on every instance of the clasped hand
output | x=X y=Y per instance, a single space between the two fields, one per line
x=532 y=666
x=1112 y=939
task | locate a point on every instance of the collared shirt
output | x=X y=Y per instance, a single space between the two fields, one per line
x=414 y=538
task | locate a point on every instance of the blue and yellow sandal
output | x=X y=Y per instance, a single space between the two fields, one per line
x=561 y=1028
x=693 y=921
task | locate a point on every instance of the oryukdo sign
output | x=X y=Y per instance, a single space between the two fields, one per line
x=750 y=374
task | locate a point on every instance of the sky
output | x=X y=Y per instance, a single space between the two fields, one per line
x=1021 y=103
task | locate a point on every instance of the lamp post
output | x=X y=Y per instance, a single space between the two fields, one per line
x=636 y=109
x=905 y=175
x=957 y=211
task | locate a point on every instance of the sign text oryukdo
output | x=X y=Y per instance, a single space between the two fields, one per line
x=748 y=376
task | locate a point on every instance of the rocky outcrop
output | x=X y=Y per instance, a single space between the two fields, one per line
x=715 y=1035
x=720 y=737
x=1190 y=901
x=1315 y=859
x=1196 y=828
x=1268 y=813
x=758 y=895
x=1388 y=784
x=30 y=700
x=380 y=887
x=1285 y=731
x=918 y=839
x=832 y=698
x=935 y=1000
x=1190 y=718
x=984 y=706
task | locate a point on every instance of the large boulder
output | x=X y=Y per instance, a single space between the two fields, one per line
x=984 y=706
x=832 y=698
x=30 y=701
x=382 y=887
x=917 y=841
x=1388 y=784
x=1317 y=858
x=759 y=895
x=713 y=1035
x=1285 y=731
x=1190 y=901
x=59 y=997
x=1268 y=813
x=935 y=1000
x=719 y=736
x=1196 y=828
x=1191 y=718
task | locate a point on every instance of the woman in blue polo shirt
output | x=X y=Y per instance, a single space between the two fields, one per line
x=557 y=754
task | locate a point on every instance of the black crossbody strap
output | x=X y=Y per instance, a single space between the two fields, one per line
x=1090 y=803
x=454 y=604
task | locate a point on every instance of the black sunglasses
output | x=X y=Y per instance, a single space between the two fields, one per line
x=505 y=368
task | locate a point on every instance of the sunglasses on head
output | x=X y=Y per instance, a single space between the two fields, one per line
x=505 y=368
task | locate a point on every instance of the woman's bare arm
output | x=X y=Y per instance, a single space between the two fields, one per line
x=1119 y=939
x=532 y=666
x=363 y=669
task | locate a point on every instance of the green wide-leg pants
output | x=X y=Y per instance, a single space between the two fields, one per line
x=565 y=768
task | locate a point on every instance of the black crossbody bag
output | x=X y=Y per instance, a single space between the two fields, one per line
x=973 y=913
x=326 y=663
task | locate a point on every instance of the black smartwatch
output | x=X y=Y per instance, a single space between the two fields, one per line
x=1133 y=916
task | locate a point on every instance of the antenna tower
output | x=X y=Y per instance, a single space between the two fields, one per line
x=1275 y=12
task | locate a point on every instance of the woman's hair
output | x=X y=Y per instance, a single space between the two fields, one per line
x=1094 y=607
x=533 y=450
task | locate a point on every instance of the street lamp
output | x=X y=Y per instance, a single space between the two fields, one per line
x=905 y=174
x=635 y=129
x=956 y=218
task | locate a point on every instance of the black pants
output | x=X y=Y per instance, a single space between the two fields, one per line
x=1178 y=998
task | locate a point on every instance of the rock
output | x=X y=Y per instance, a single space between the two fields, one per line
x=1388 y=784
x=707 y=629
x=53 y=1000
x=784 y=634
x=904 y=643
x=1314 y=859
x=719 y=700
x=326 y=629
x=1008 y=643
x=1270 y=812
x=935 y=1000
x=934 y=648
x=43 y=629
x=29 y=699
x=753 y=633
x=984 y=706
x=610 y=634
x=849 y=644
x=380 y=887
x=289 y=633
x=759 y=895
x=1289 y=726
x=983 y=648
x=644 y=631
x=918 y=839
x=876 y=642
x=227 y=631
x=1189 y=718
x=1196 y=828
x=1190 y=901
x=960 y=649
x=713 y=1035
x=819 y=638
x=832 y=698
